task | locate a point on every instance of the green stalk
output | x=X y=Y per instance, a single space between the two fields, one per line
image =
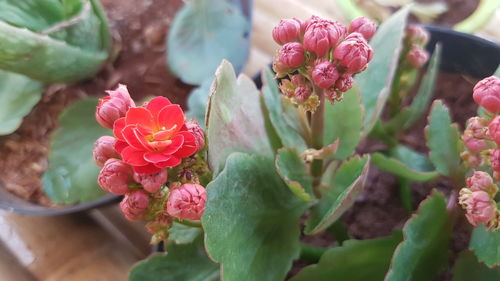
x=310 y=253
x=317 y=127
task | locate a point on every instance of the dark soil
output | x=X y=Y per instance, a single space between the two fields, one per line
x=139 y=29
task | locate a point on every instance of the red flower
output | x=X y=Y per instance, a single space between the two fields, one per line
x=154 y=136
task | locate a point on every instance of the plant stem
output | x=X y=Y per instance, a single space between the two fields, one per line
x=317 y=124
x=189 y=223
x=310 y=253
x=339 y=231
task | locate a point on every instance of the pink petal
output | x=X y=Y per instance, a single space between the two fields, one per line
x=146 y=170
x=171 y=117
x=157 y=104
x=129 y=133
x=140 y=116
x=177 y=143
x=188 y=147
x=172 y=162
x=133 y=156
x=156 y=157
x=118 y=127
x=120 y=146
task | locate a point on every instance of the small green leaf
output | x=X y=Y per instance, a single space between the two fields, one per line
x=486 y=245
x=405 y=163
x=273 y=101
x=375 y=82
x=72 y=173
x=424 y=251
x=443 y=140
x=421 y=101
x=293 y=172
x=347 y=131
x=198 y=100
x=203 y=33
x=468 y=268
x=235 y=119
x=18 y=95
x=356 y=260
x=183 y=234
x=344 y=187
x=180 y=263
x=251 y=220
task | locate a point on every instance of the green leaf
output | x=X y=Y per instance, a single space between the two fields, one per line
x=421 y=101
x=486 y=245
x=251 y=220
x=405 y=163
x=235 y=119
x=293 y=172
x=183 y=234
x=18 y=95
x=273 y=101
x=424 y=251
x=344 y=187
x=375 y=82
x=468 y=268
x=198 y=100
x=356 y=260
x=72 y=173
x=347 y=131
x=203 y=33
x=180 y=263
x=443 y=140
x=53 y=41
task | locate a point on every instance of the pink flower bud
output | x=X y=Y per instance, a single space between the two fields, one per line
x=151 y=182
x=364 y=26
x=104 y=149
x=476 y=127
x=495 y=160
x=480 y=181
x=187 y=201
x=321 y=35
x=479 y=207
x=494 y=130
x=135 y=205
x=115 y=176
x=287 y=30
x=474 y=145
x=344 y=83
x=487 y=93
x=113 y=107
x=193 y=127
x=287 y=88
x=325 y=74
x=353 y=53
x=302 y=93
x=280 y=69
x=292 y=54
x=417 y=35
x=417 y=56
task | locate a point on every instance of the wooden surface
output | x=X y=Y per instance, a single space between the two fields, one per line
x=101 y=245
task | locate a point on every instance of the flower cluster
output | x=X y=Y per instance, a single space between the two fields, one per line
x=482 y=139
x=415 y=40
x=320 y=54
x=148 y=158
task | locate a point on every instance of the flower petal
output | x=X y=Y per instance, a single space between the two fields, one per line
x=133 y=156
x=140 y=116
x=157 y=104
x=177 y=143
x=171 y=117
x=188 y=147
x=118 y=127
x=146 y=170
x=156 y=156
x=120 y=146
x=171 y=162
x=129 y=133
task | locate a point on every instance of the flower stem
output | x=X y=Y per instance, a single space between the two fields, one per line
x=189 y=223
x=310 y=253
x=317 y=124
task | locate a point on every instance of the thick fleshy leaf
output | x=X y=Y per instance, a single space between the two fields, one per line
x=486 y=245
x=356 y=260
x=443 y=140
x=292 y=170
x=342 y=190
x=468 y=268
x=424 y=251
x=72 y=173
x=251 y=220
x=235 y=119
x=37 y=39
x=18 y=95
x=273 y=101
x=343 y=121
x=405 y=162
x=198 y=100
x=180 y=263
x=202 y=34
x=375 y=82
x=183 y=234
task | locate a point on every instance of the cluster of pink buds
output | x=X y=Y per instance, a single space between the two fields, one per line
x=319 y=54
x=482 y=139
x=415 y=40
x=147 y=159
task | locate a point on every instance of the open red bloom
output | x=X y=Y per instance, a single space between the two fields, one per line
x=154 y=136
